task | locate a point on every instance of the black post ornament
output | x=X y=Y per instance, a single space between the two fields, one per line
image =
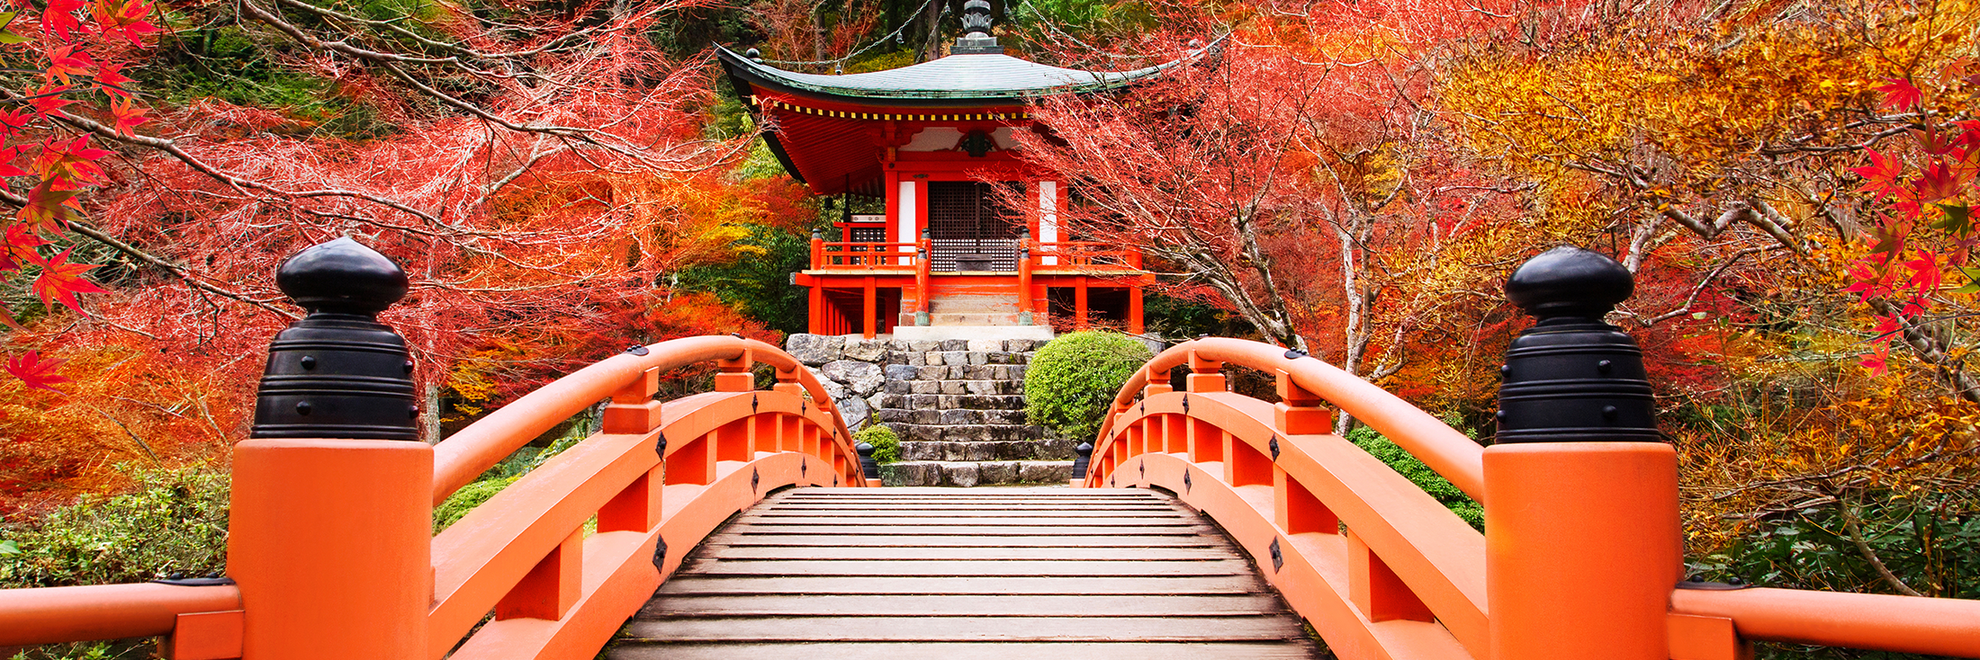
x=867 y=464
x=338 y=372
x=1573 y=377
x=1082 y=456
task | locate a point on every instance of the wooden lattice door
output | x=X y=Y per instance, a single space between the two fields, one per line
x=970 y=229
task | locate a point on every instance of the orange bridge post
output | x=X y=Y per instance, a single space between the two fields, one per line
x=331 y=519
x=1583 y=542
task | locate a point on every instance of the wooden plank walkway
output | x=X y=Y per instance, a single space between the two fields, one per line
x=962 y=574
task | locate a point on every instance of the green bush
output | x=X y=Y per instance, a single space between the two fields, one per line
x=173 y=522
x=886 y=445
x=1072 y=381
x=1416 y=472
x=466 y=499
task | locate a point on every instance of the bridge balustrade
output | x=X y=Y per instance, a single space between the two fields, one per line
x=1581 y=557
x=331 y=550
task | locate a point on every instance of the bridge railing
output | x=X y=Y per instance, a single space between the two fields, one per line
x=331 y=550
x=1581 y=557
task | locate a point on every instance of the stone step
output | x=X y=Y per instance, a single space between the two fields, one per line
x=902 y=372
x=959 y=304
x=958 y=358
x=966 y=474
x=952 y=401
x=968 y=433
x=954 y=387
x=939 y=319
x=1018 y=450
x=953 y=416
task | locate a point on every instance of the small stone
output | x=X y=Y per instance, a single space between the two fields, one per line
x=955 y=345
x=815 y=350
x=863 y=378
x=855 y=411
x=954 y=387
x=923 y=402
x=997 y=473
x=931 y=359
x=868 y=350
x=924 y=386
x=921 y=451
x=896 y=345
x=902 y=372
x=932 y=373
x=982 y=386
x=979 y=358
x=832 y=387
x=911 y=474
x=961 y=417
x=963 y=475
x=875 y=401
x=955 y=358
x=985 y=345
x=1038 y=472
x=915 y=359
x=926 y=416
x=924 y=346
x=898 y=387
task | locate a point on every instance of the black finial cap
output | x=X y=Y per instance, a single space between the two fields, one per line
x=1569 y=281
x=1084 y=456
x=754 y=55
x=864 y=449
x=1084 y=449
x=342 y=277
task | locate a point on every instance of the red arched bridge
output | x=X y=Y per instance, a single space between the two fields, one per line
x=738 y=521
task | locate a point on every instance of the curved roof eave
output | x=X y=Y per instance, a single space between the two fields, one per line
x=972 y=79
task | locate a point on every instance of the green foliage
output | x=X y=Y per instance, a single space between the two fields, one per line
x=1178 y=319
x=173 y=522
x=1416 y=472
x=1931 y=542
x=759 y=287
x=466 y=499
x=886 y=445
x=1072 y=380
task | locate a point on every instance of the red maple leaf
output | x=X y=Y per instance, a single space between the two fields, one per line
x=61 y=281
x=21 y=241
x=110 y=79
x=128 y=116
x=49 y=98
x=1881 y=175
x=63 y=61
x=47 y=206
x=1900 y=94
x=1938 y=182
x=1876 y=361
x=125 y=17
x=59 y=18
x=1925 y=273
x=36 y=372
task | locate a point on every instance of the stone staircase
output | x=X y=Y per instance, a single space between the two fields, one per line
x=958 y=407
x=968 y=310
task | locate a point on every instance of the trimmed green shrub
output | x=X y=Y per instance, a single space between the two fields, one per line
x=886 y=445
x=1072 y=380
x=173 y=522
x=1416 y=472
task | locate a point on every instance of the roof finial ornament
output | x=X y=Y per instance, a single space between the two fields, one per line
x=976 y=39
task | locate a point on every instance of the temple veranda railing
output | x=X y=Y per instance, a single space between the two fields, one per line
x=1581 y=556
x=331 y=550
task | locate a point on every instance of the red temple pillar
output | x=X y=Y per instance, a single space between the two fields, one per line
x=1079 y=304
x=867 y=304
x=1134 y=311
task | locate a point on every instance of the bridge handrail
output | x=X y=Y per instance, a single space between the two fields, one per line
x=1450 y=453
x=106 y=611
x=475 y=449
x=1905 y=624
